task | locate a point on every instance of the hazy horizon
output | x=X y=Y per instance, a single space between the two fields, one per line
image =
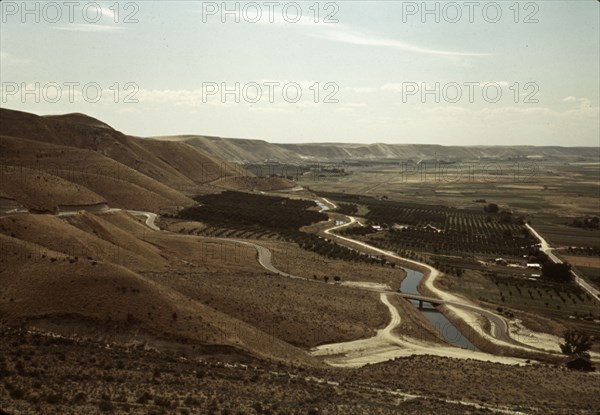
x=319 y=142
x=362 y=72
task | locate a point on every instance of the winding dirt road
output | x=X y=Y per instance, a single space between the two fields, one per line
x=499 y=325
x=264 y=257
x=150 y=218
x=103 y=208
x=385 y=345
x=500 y=332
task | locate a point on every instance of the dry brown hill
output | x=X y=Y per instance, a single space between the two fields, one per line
x=237 y=150
x=265 y=184
x=38 y=190
x=91 y=177
x=175 y=165
x=100 y=267
x=109 y=293
x=86 y=268
x=259 y=151
x=98 y=241
x=102 y=163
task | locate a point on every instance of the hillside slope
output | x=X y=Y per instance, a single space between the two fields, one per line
x=175 y=165
x=43 y=176
x=75 y=159
x=85 y=270
x=97 y=269
x=236 y=150
x=258 y=151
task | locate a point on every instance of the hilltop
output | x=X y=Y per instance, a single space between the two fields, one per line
x=258 y=151
x=73 y=255
x=77 y=160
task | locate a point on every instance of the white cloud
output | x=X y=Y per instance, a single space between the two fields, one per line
x=584 y=103
x=343 y=35
x=419 y=85
x=10 y=59
x=198 y=97
x=336 y=32
x=89 y=27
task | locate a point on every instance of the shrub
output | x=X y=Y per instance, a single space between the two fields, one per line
x=54 y=398
x=79 y=398
x=106 y=406
x=144 y=398
x=162 y=401
x=17 y=393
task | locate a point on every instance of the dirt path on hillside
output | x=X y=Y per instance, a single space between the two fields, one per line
x=386 y=345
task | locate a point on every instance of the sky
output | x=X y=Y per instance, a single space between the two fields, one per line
x=451 y=73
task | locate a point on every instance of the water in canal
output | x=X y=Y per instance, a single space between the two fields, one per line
x=322 y=206
x=452 y=335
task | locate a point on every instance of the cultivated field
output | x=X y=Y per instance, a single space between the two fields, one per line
x=464 y=238
x=566 y=189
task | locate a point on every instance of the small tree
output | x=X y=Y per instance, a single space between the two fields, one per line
x=557 y=272
x=491 y=208
x=576 y=342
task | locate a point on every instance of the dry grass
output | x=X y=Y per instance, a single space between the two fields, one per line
x=108 y=295
x=584 y=261
x=48 y=269
x=538 y=388
x=96 y=265
x=292 y=259
x=414 y=324
x=39 y=190
x=86 y=237
x=36 y=166
x=302 y=313
x=176 y=165
x=81 y=160
x=244 y=181
x=43 y=374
